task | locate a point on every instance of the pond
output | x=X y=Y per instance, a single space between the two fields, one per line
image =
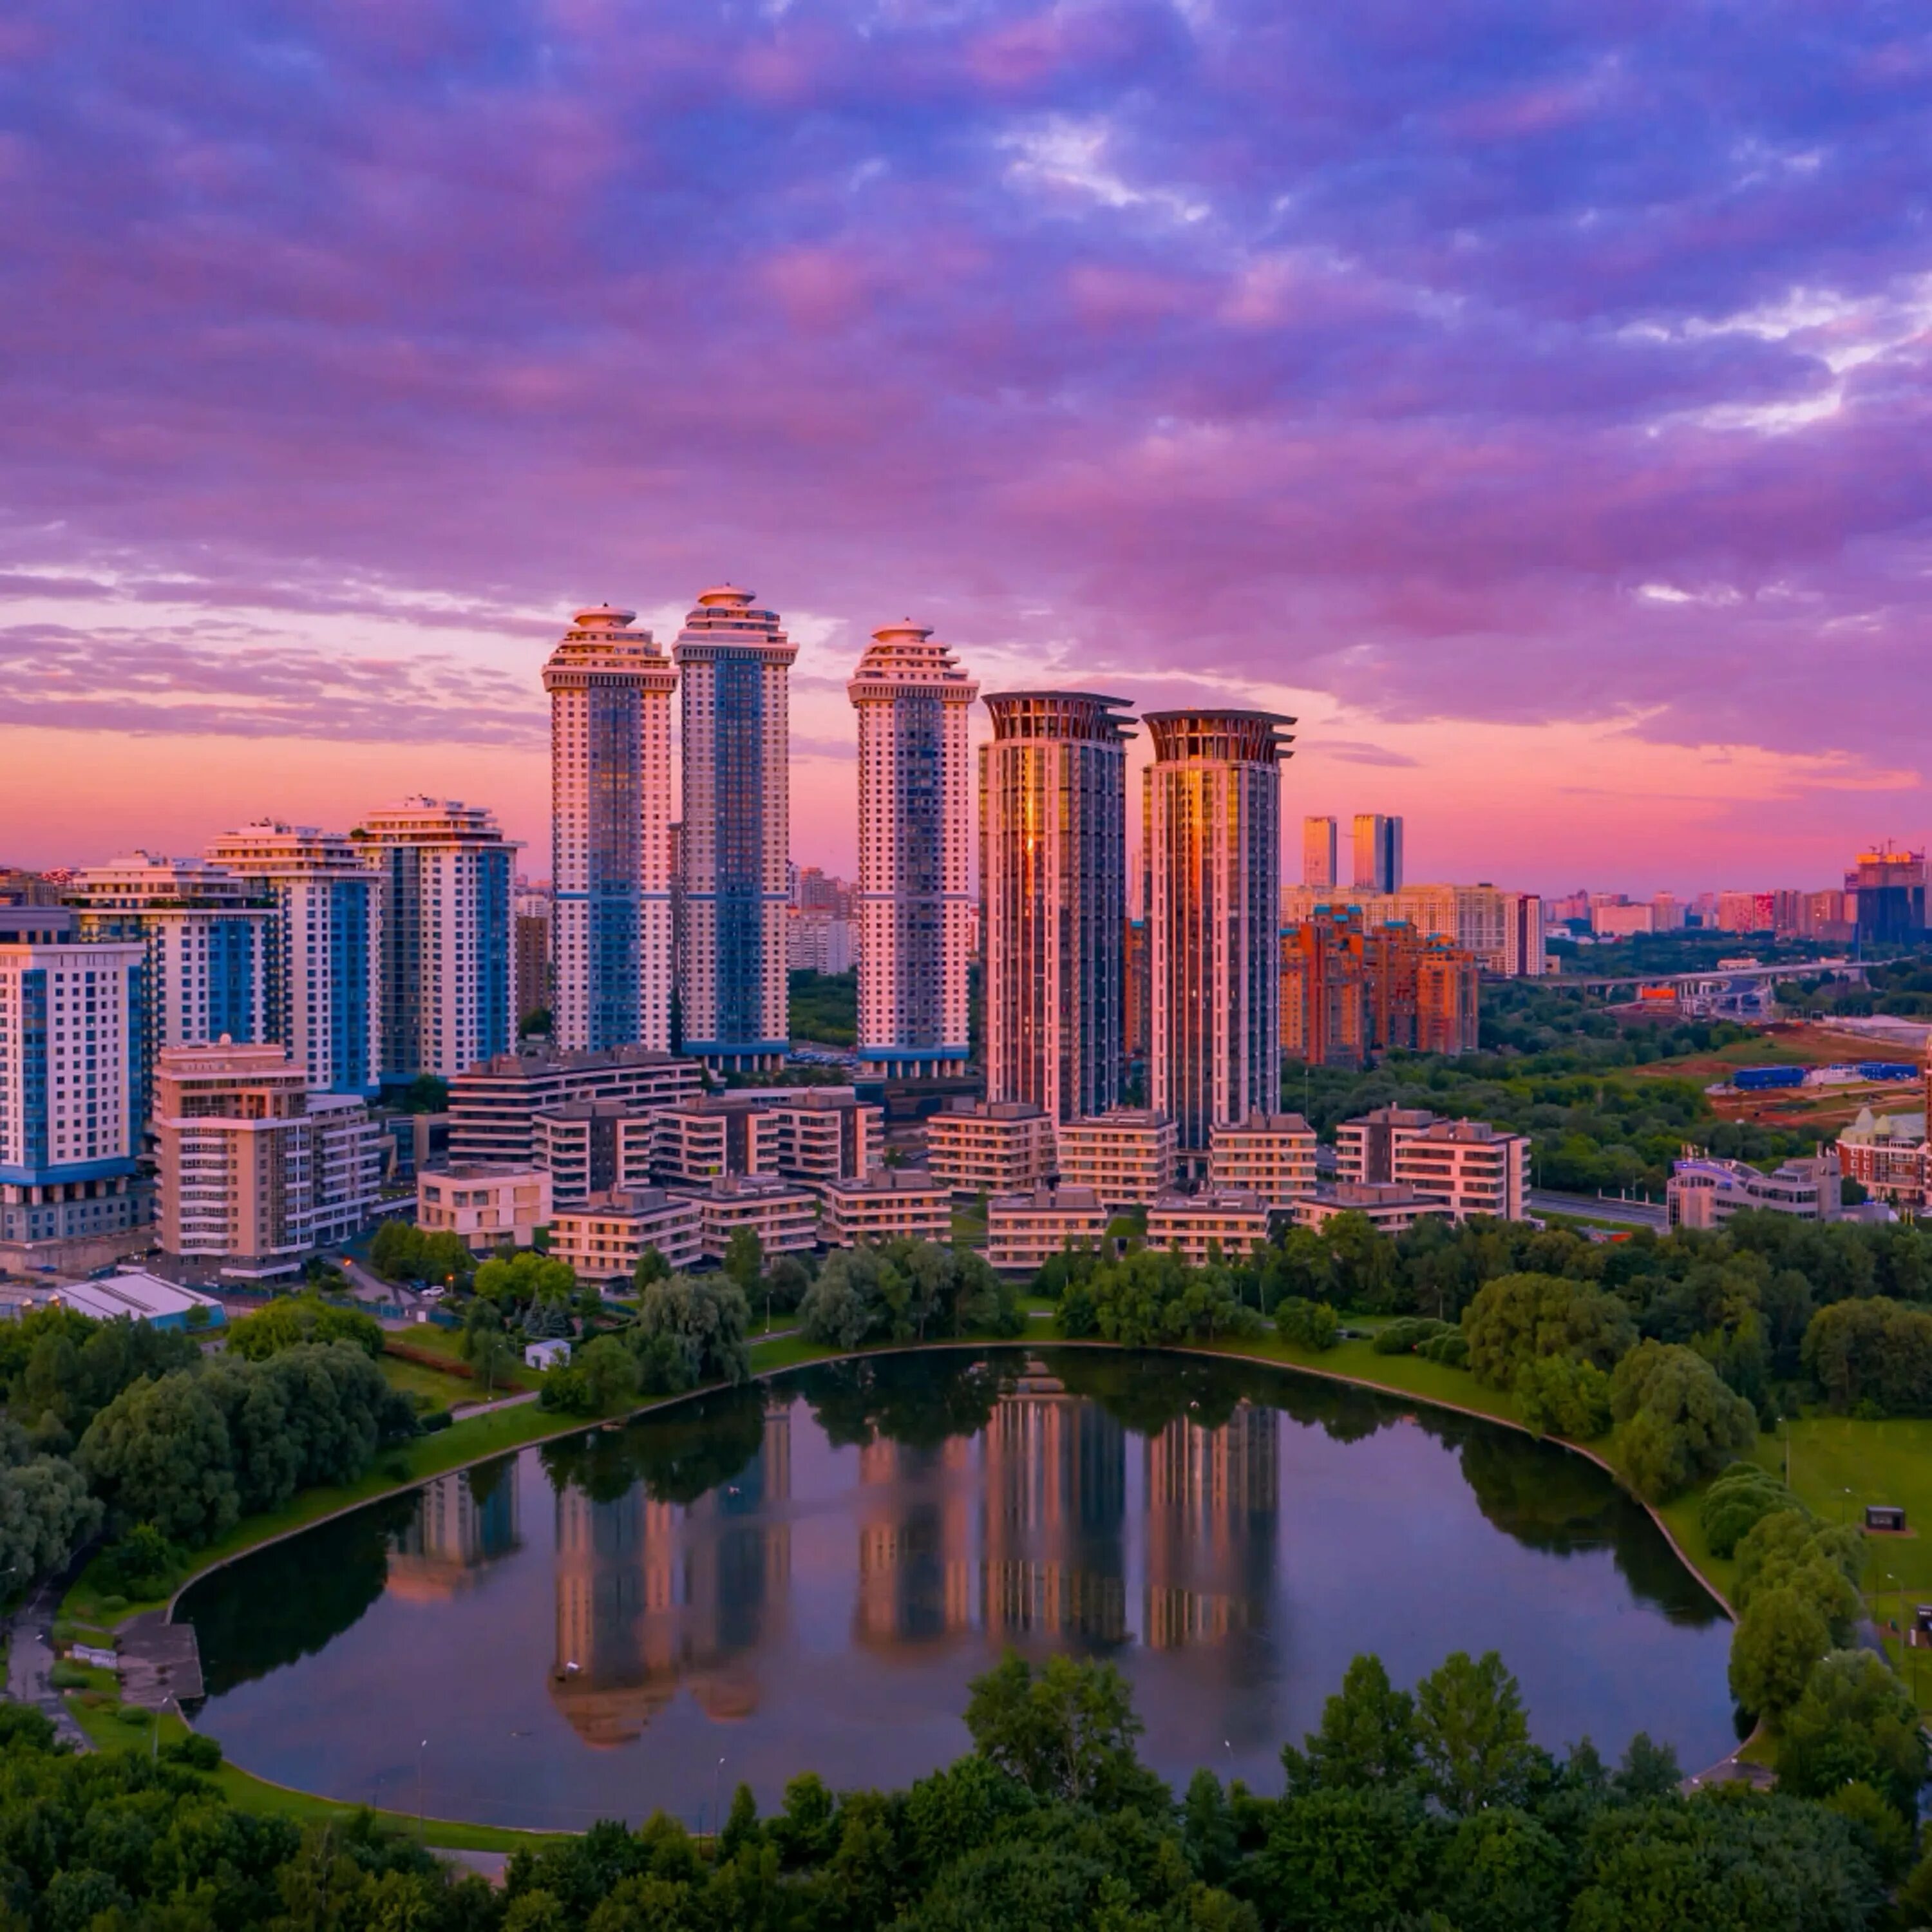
x=805 y=1574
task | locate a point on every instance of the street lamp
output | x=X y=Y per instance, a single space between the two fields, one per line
x=717 y=1813
x=420 y=1750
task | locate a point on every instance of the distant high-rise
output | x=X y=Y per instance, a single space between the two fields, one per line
x=1054 y=800
x=735 y=664
x=448 y=876
x=915 y=906
x=1888 y=889
x=1318 y=852
x=326 y=963
x=209 y=936
x=1212 y=824
x=610 y=746
x=1378 y=852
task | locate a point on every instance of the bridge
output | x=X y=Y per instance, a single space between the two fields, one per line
x=1745 y=992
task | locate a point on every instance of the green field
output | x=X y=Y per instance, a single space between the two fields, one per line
x=438 y=1391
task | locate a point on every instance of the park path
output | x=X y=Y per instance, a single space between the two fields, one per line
x=30 y=1659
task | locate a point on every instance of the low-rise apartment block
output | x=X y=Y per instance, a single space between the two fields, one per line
x=604 y=1237
x=1230 y=1222
x=1128 y=1155
x=886 y=1205
x=782 y=1214
x=712 y=1135
x=812 y=1134
x=493 y=1105
x=1470 y=1166
x=582 y=1144
x=490 y=1207
x=1889 y=1156
x=826 y=1133
x=1026 y=1230
x=1272 y=1155
x=1390 y=1209
x=990 y=1146
x=256 y=1171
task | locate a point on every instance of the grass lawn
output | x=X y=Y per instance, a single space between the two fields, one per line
x=98 y=1715
x=438 y=1391
x=426 y=1338
x=1838 y=1466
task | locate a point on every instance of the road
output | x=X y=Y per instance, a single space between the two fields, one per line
x=1598 y=1207
x=30 y=1659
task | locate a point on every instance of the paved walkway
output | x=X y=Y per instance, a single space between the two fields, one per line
x=30 y=1660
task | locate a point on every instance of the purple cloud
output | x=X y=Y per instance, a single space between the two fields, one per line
x=1463 y=361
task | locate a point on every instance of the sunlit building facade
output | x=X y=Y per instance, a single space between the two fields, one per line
x=610 y=691
x=735 y=664
x=1212 y=837
x=1054 y=806
x=915 y=901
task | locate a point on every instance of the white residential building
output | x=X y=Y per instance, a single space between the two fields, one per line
x=915 y=837
x=735 y=664
x=610 y=849
x=72 y=1090
x=447 y=884
x=325 y=969
x=209 y=935
x=1470 y=1166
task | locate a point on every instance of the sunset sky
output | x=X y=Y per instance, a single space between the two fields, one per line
x=1534 y=400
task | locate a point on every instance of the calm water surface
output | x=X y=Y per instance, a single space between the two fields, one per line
x=804 y=1576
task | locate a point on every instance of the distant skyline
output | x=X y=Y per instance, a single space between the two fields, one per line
x=1537 y=406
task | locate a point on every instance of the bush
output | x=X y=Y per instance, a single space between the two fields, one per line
x=1451 y=1350
x=143 y=1563
x=1308 y=1324
x=65 y=1676
x=292 y=1319
x=1409 y=1332
x=566 y=1391
x=196 y=1752
x=434 y=1420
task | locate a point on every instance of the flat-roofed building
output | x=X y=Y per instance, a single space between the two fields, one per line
x=489 y=1206
x=580 y=1143
x=826 y=1133
x=781 y=1214
x=1026 y=1230
x=887 y=1205
x=1390 y=1209
x=604 y=1236
x=256 y=1169
x=1472 y=1167
x=1272 y=1155
x=711 y=1134
x=990 y=1146
x=1128 y=1155
x=133 y=1294
x=1230 y=1222
x=493 y=1105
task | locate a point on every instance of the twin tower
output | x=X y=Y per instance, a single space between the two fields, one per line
x=634 y=883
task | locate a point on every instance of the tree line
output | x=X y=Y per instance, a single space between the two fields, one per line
x=1424 y=1810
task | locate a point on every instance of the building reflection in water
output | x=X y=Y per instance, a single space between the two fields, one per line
x=652 y=1597
x=1054 y=1561
x=915 y=1544
x=463 y=1521
x=1212 y=1498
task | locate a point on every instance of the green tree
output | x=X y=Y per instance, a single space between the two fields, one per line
x=1679 y=1422
x=651 y=1266
x=1346 y=1860
x=1471 y=1735
x=1777 y=1642
x=745 y=1260
x=491 y=1355
x=1856 y=1721
x=1368 y=1736
x=1558 y=1395
x=610 y=1371
x=291 y=1320
x=701 y=1322
x=1503 y=1871
x=1066 y=1732
x=1518 y=1318
x=46 y=1514
x=159 y=1453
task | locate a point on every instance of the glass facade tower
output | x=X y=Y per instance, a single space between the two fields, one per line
x=735 y=663
x=1212 y=837
x=915 y=907
x=609 y=693
x=1053 y=811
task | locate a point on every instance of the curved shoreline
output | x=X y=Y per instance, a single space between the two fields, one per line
x=577 y=1427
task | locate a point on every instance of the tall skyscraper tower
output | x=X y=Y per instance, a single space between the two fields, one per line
x=1378 y=852
x=448 y=877
x=325 y=967
x=1318 y=852
x=915 y=905
x=610 y=751
x=1054 y=799
x=1213 y=833
x=735 y=664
